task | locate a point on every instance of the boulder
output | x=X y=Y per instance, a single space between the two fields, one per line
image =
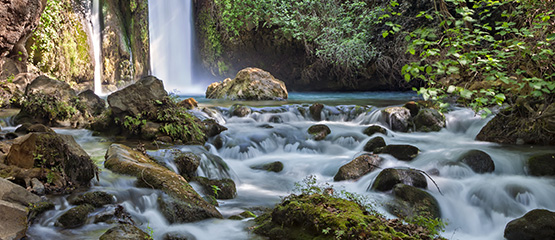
x=49 y=86
x=18 y=18
x=28 y=128
x=316 y=111
x=14 y=201
x=218 y=188
x=124 y=160
x=97 y=199
x=358 y=167
x=390 y=177
x=541 y=165
x=478 y=161
x=75 y=217
x=181 y=235
x=375 y=129
x=429 y=120
x=212 y=127
x=189 y=103
x=125 y=232
x=137 y=98
x=536 y=224
x=412 y=107
x=239 y=110
x=248 y=84
x=411 y=201
x=276 y=166
x=176 y=211
x=187 y=164
x=398 y=118
x=37 y=187
x=401 y=152
x=92 y=103
x=150 y=130
x=374 y=143
x=55 y=152
x=319 y=131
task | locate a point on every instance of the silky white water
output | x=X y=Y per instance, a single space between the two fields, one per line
x=475 y=206
x=96 y=40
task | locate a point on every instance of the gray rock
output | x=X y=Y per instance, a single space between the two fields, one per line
x=390 y=177
x=534 y=225
x=137 y=98
x=398 y=118
x=374 y=143
x=478 y=161
x=319 y=131
x=93 y=104
x=401 y=152
x=249 y=84
x=411 y=201
x=125 y=232
x=429 y=120
x=37 y=187
x=358 y=167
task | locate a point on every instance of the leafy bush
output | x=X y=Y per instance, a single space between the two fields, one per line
x=49 y=107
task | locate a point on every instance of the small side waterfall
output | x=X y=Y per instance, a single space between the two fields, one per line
x=96 y=39
x=171 y=43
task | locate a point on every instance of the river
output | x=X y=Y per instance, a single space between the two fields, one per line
x=475 y=206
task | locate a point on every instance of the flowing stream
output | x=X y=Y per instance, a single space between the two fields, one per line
x=475 y=206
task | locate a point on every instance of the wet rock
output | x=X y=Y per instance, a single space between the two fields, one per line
x=29 y=127
x=374 y=143
x=178 y=236
x=319 y=131
x=137 y=98
x=276 y=166
x=243 y=215
x=398 y=118
x=429 y=120
x=213 y=128
x=542 y=165
x=478 y=161
x=10 y=136
x=36 y=209
x=125 y=232
x=218 y=188
x=275 y=119
x=75 y=217
x=97 y=199
x=401 y=152
x=218 y=142
x=189 y=103
x=316 y=111
x=124 y=160
x=390 y=177
x=239 y=110
x=248 y=84
x=187 y=164
x=375 y=129
x=412 y=107
x=536 y=224
x=24 y=128
x=411 y=201
x=358 y=167
x=37 y=187
x=176 y=211
x=92 y=103
x=14 y=201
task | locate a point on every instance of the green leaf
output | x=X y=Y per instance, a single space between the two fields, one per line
x=385 y=34
x=466 y=93
x=428 y=69
x=551 y=37
x=407 y=77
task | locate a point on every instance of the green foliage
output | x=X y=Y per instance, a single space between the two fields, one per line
x=133 y=124
x=489 y=52
x=434 y=225
x=49 y=107
x=215 y=190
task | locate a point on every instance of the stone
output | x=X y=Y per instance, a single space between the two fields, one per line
x=14 y=201
x=150 y=130
x=16 y=194
x=125 y=232
x=401 y=152
x=212 y=127
x=37 y=187
x=316 y=111
x=478 y=161
x=249 y=84
x=541 y=165
x=94 y=105
x=536 y=224
x=45 y=85
x=137 y=98
x=374 y=143
x=276 y=166
x=75 y=217
x=390 y=177
x=187 y=164
x=122 y=159
x=239 y=110
x=371 y=130
x=176 y=211
x=412 y=201
x=178 y=236
x=398 y=118
x=18 y=18
x=96 y=199
x=412 y=107
x=189 y=103
x=319 y=131
x=218 y=188
x=429 y=120
x=358 y=167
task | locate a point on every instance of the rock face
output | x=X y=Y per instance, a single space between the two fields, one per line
x=319 y=131
x=390 y=177
x=125 y=232
x=358 y=167
x=137 y=98
x=478 y=161
x=542 y=165
x=401 y=152
x=18 y=18
x=124 y=160
x=398 y=118
x=14 y=201
x=249 y=84
x=536 y=224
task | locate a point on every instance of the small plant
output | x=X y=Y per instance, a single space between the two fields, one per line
x=434 y=225
x=133 y=124
x=215 y=190
x=150 y=231
x=50 y=177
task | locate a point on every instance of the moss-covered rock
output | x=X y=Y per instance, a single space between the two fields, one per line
x=239 y=110
x=358 y=167
x=249 y=84
x=429 y=120
x=319 y=131
x=75 y=217
x=401 y=152
x=478 y=161
x=371 y=130
x=411 y=201
x=218 y=188
x=374 y=143
x=536 y=224
x=125 y=232
x=187 y=164
x=390 y=177
x=276 y=166
x=541 y=165
x=124 y=160
x=97 y=199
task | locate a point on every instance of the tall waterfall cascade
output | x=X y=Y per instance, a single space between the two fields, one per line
x=96 y=40
x=171 y=44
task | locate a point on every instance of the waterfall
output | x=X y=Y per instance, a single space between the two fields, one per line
x=171 y=43
x=96 y=39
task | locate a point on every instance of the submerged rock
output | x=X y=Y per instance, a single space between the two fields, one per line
x=398 y=118
x=429 y=120
x=390 y=177
x=358 y=167
x=401 y=152
x=124 y=160
x=276 y=166
x=536 y=224
x=248 y=84
x=478 y=161
x=542 y=165
x=374 y=143
x=411 y=201
x=125 y=232
x=75 y=217
x=319 y=131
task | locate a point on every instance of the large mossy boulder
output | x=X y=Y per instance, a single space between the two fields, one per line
x=137 y=98
x=91 y=103
x=125 y=232
x=318 y=216
x=319 y=131
x=534 y=225
x=478 y=161
x=67 y=164
x=96 y=199
x=398 y=118
x=390 y=177
x=401 y=152
x=218 y=188
x=358 y=167
x=124 y=160
x=429 y=120
x=45 y=85
x=248 y=84
x=14 y=203
x=75 y=217
x=541 y=165
x=411 y=201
